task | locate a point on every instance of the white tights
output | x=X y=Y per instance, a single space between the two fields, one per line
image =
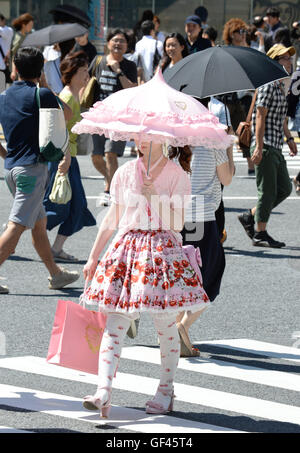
x=111 y=346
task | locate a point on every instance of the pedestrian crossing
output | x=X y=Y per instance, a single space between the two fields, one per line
x=199 y=398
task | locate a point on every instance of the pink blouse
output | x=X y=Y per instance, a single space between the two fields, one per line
x=172 y=186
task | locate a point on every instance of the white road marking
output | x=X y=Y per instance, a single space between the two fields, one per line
x=145 y=385
x=276 y=351
x=220 y=368
x=120 y=417
x=10 y=430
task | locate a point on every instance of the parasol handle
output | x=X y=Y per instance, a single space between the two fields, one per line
x=148 y=168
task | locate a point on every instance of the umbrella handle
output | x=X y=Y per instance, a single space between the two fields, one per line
x=148 y=169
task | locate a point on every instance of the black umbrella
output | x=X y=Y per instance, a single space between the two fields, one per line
x=223 y=69
x=53 y=34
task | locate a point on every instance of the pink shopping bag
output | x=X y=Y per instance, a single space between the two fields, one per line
x=76 y=337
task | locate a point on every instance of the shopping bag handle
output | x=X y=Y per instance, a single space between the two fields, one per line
x=81 y=299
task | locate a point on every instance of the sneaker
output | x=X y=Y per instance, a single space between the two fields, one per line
x=104 y=199
x=133 y=329
x=263 y=239
x=62 y=279
x=4 y=289
x=247 y=221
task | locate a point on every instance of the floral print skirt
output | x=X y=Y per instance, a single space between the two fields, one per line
x=145 y=271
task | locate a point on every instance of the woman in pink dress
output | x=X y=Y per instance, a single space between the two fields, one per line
x=145 y=268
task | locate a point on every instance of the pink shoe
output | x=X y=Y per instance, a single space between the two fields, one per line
x=94 y=403
x=153 y=407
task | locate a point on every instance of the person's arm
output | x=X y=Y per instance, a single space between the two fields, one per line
x=290 y=139
x=261 y=113
x=261 y=45
x=3 y=152
x=124 y=80
x=106 y=230
x=226 y=170
x=64 y=164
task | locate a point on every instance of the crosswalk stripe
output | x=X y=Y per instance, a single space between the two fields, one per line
x=10 y=430
x=219 y=368
x=120 y=417
x=276 y=351
x=189 y=394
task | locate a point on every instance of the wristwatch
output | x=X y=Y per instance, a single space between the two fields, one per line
x=289 y=139
x=120 y=74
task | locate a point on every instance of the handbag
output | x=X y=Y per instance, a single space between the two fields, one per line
x=76 y=337
x=88 y=95
x=244 y=128
x=61 y=192
x=53 y=133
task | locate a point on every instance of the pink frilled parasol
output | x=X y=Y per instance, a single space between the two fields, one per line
x=154 y=112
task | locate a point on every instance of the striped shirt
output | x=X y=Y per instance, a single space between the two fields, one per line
x=206 y=187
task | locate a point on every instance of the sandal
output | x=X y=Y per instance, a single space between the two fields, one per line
x=157 y=408
x=63 y=257
x=186 y=347
x=94 y=403
x=297 y=186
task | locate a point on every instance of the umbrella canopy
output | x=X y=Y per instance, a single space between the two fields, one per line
x=223 y=69
x=154 y=112
x=53 y=34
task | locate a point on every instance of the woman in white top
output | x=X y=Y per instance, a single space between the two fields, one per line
x=175 y=49
x=210 y=169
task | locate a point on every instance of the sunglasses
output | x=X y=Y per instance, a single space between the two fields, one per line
x=241 y=31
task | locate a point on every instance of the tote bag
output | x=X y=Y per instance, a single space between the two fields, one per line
x=53 y=133
x=76 y=337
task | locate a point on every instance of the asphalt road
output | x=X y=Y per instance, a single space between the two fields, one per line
x=247 y=378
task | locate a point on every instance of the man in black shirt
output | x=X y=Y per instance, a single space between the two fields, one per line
x=274 y=23
x=194 y=39
x=113 y=73
x=83 y=43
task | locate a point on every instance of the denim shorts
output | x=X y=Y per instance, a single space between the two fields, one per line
x=27 y=185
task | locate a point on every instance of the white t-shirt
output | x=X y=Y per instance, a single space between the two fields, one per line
x=6 y=35
x=145 y=50
x=50 y=53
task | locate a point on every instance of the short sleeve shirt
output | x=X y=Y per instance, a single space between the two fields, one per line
x=108 y=80
x=271 y=96
x=173 y=184
x=19 y=117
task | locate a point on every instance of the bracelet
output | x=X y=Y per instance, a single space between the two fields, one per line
x=289 y=139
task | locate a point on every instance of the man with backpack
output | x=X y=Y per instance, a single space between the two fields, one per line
x=26 y=174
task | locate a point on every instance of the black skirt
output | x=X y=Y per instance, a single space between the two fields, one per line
x=212 y=254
